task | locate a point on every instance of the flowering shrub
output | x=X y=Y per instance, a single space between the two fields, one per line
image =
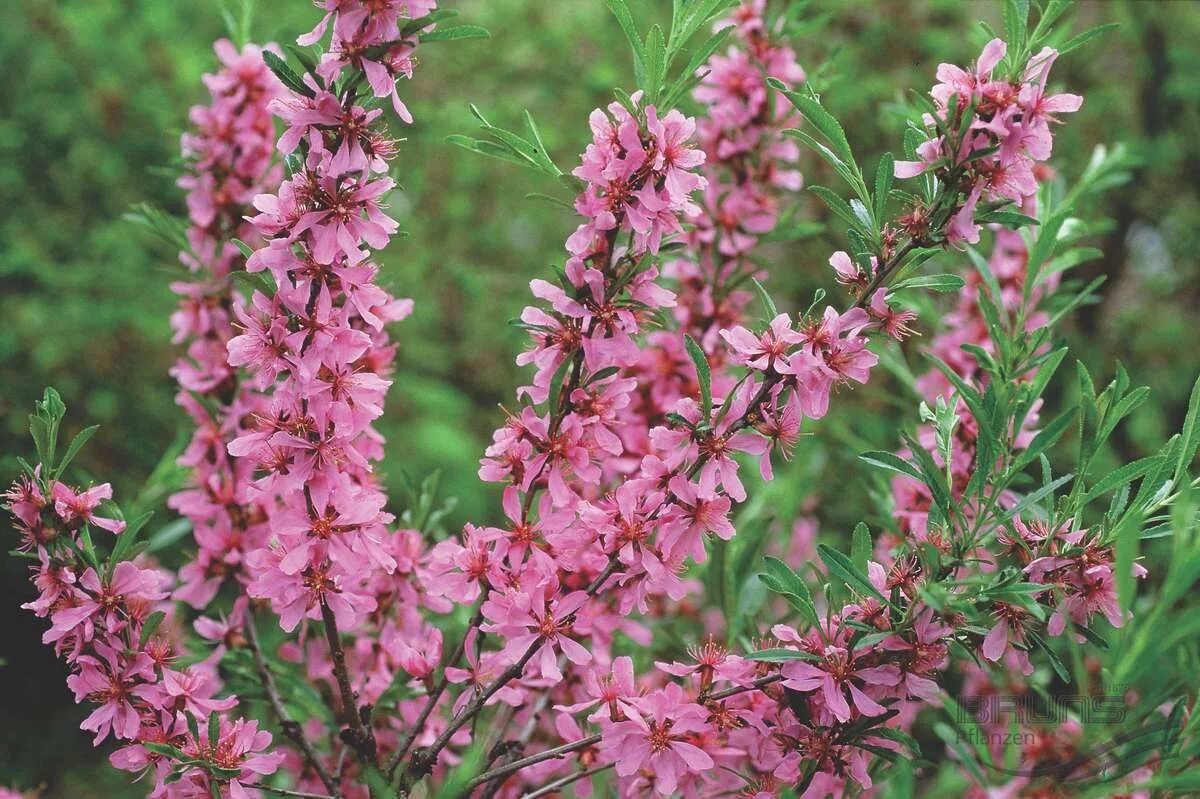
x=309 y=610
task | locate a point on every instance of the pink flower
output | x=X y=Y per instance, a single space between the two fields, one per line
x=107 y=603
x=763 y=352
x=77 y=508
x=613 y=695
x=657 y=739
x=535 y=618
x=836 y=674
x=109 y=681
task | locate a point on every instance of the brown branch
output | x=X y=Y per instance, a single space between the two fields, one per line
x=439 y=689
x=563 y=782
x=360 y=735
x=286 y=792
x=291 y=728
x=761 y=682
x=517 y=765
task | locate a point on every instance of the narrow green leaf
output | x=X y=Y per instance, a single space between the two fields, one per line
x=780 y=655
x=556 y=385
x=843 y=568
x=891 y=462
x=1190 y=435
x=932 y=282
x=884 y=174
x=1085 y=37
x=455 y=33
x=245 y=249
x=285 y=74
x=703 y=376
x=861 y=547
x=765 y=299
x=149 y=626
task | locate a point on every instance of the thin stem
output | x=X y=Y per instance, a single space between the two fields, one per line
x=438 y=690
x=517 y=765
x=563 y=782
x=291 y=728
x=360 y=735
x=286 y=792
x=761 y=682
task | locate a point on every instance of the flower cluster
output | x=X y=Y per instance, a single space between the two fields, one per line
x=989 y=133
x=111 y=623
x=650 y=390
x=229 y=152
x=605 y=509
x=318 y=344
x=748 y=166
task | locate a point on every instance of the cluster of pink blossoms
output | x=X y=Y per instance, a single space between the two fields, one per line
x=598 y=528
x=319 y=345
x=230 y=154
x=995 y=133
x=610 y=492
x=109 y=622
x=748 y=165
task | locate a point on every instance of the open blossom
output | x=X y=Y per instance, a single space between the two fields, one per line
x=657 y=739
x=78 y=507
x=531 y=619
x=1010 y=117
x=838 y=675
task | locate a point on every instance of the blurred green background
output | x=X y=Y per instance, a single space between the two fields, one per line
x=90 y=116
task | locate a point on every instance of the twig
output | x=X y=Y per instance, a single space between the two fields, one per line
x=286 y=792
x=761 y=682
x=360 y=735
x=439 y=689
x=563 y=782
x=291 y=728
x=517 y=765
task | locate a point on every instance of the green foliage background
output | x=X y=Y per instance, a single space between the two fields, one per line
x=90 y=114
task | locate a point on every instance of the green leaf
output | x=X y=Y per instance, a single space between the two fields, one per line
x=884 y=174
x=1120 y=476
x=932 y=282
x=1055 y=662
x=703 y=376
x=1032 y=499
x=483 y=147
x=556 y=385
x=166 y=750
x=455 y=33
x=539 y=145
x=691 y=74
x=891 y=462
x=245 y=249
x=149 y=626
x=820 y=119
x=782 y=580
x=1009 y=219
x=625 y=19
x=836 y=204
x=1045 y=439
x=655 y=62
x=1085 y=37
x=780 y=655
x=73 y=448
x=1016 y=14
x=844 y=569
x=285 y=74
x=764 y=298
x=861 y=546
x=126 y=540
x=1190 y=435
x=214 y=729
